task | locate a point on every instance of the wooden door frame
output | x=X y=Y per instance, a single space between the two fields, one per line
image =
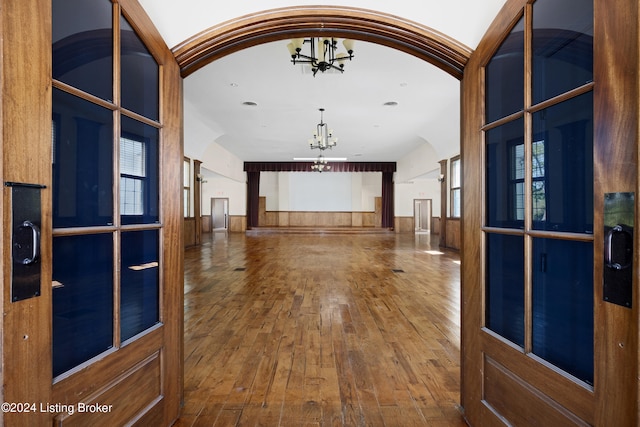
x=615 y=170
x=25 y=106
x=26 y=109
x=338 y=21
x=26 y=116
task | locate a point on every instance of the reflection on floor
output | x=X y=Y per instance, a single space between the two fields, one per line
x=321 y=329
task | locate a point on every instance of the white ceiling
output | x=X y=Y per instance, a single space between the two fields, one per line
x=288 y=96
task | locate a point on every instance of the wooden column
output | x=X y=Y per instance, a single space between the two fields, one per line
x=443 y=202
x=197 y=196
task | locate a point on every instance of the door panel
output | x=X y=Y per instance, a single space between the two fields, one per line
x=540 y=347
x=110 y=259
x=121 y=408
x=516 y=400
x=219 y=213
x=134 y=381
x=422 y=214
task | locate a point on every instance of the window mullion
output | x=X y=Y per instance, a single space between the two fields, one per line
x=117 y=131
x=528 y=180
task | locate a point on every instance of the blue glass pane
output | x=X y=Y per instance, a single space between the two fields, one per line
x=139 y=287
x=563 y=305
x=139 y=186
x=140 y=89
x=83 y=48
x=82 y=162
x=504 y=77
x=505 y=175
x=562 y=46
x=83 y=302
x=504 y=288
x=563 y=166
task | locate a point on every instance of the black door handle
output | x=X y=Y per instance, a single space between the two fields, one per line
x=626 y=235
x=35 y=243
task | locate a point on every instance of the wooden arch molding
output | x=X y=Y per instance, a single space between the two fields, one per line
x=337 y=21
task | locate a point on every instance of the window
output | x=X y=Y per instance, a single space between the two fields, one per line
x=132 y=174
x=139 y=192
x=517 y=181
x=538 y=195
x=186 y=174
x=455 y=187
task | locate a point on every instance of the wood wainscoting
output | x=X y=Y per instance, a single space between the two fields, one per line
x=189 y=227
x=206 y=224
x=404 y=224
x=237 y=223
x=318 y=218
x=452 y=237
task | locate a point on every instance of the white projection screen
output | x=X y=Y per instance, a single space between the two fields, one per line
x=323 y=192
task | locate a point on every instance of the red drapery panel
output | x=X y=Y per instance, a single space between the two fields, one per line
x=253 y=198
x=387 y=200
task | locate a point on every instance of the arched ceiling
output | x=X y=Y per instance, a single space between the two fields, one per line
x=288 y=96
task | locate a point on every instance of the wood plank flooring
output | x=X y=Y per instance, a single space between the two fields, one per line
x=321 y=330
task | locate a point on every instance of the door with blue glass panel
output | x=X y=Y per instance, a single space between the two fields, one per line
x=538 y=223
x=107 y=222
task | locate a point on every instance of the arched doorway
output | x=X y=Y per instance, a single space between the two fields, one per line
x=424 y=43
x=276 y=24
x=452 y=58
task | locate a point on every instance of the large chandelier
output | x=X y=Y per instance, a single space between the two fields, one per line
x=320 y=164
x=323 y=53
x=323 y=136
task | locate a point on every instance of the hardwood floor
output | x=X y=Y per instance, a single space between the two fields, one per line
x=321 y=330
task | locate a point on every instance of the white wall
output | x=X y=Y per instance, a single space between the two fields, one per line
x=217 y=159
x=407 y=192
x=421 y=161
x=223 y=187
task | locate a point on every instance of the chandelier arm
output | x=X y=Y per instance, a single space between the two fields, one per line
x=335 y=67
x=306 y=58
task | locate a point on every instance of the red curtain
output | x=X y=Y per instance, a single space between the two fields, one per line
x=387 y=200
x=253 y=198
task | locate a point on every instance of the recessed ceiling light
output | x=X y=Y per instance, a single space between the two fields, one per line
x=390 y=104
x=250 y=104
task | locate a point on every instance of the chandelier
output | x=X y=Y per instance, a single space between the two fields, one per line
x=323 y=136
x=323 y=53
x=320 y=164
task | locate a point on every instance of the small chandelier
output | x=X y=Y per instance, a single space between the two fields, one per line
x=325 y=57
x=320 y=164
x=323 y=136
